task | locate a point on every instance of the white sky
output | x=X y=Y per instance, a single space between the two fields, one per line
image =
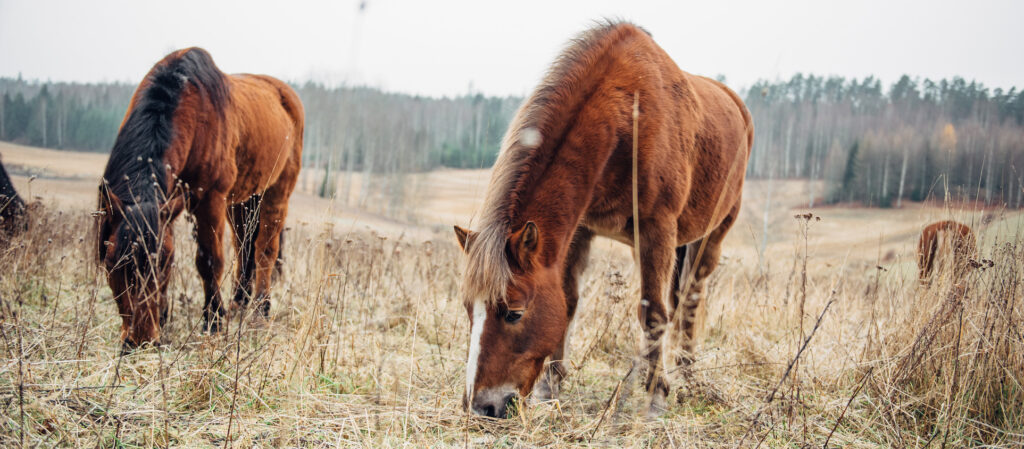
x=442 y=47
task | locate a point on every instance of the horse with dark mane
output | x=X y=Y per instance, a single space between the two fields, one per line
x=565 y=175
x=12 y=207
x=959 y=240
x=225 y=148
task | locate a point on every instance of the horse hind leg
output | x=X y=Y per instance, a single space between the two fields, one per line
x=245 y=224
x=688 y=295
x=694 y=264
x=272 y=212
x=279 y=263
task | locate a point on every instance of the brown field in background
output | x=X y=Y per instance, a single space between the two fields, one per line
x=367 y=337
x=435 y=200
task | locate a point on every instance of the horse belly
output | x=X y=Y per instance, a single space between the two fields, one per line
x=610 y=226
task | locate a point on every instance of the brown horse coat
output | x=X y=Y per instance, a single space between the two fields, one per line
x=961 y=241
x=224 y=148
x=564 y=176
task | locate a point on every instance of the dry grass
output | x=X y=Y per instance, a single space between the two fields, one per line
x=367 y=341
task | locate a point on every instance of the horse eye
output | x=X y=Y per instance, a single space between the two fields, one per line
x=513 y=316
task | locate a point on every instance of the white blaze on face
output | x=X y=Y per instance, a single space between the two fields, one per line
x=479 y=316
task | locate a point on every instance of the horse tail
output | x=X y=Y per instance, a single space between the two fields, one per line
x=293 y=107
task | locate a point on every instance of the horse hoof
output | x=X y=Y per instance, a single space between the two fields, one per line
x=657 y=408
x=211 y=326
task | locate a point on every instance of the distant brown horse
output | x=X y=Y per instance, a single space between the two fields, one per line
x=222 y=147
x=960 y=241
x=565 y=176
x=12 y=207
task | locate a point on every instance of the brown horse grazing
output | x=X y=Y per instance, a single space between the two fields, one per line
x=565 y=176
x=222 y=147
x=960 y=239
x=12 y=207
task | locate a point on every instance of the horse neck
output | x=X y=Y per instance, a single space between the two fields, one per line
x=559 y=199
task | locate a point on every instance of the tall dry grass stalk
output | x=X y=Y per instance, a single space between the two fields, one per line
x=367 y=339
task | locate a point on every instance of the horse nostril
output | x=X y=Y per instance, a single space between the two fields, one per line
x=495 y=404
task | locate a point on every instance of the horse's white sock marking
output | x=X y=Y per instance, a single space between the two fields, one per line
x=479 y=316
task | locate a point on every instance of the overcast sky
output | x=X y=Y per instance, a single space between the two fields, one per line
x=442 y=47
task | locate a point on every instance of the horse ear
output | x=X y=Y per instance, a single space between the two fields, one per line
x=530 y=237
x=465 y=237
x=525 y=242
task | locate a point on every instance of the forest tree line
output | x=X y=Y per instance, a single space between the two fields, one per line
x=347 y=128
x=912 y=141
x=916 y=140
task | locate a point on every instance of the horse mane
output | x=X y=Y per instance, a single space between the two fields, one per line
x=135 y=172
x=136 y=160
x=530 y=144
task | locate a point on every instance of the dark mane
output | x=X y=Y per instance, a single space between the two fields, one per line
x=530 y=144
x=136 y=161
x=136 y=174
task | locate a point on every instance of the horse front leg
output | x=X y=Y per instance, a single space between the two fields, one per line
x=656 y=258
x=548 y=386
x=210 y=216
x=694 y=264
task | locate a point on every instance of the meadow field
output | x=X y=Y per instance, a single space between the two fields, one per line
x=818 y=332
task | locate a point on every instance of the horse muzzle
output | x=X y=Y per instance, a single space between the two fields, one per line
x=495 y=402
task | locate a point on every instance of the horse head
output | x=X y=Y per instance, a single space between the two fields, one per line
x=136 y=250
x=516 y=327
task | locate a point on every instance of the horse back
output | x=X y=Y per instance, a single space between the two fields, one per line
x=694 y=139
x=697 y=156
